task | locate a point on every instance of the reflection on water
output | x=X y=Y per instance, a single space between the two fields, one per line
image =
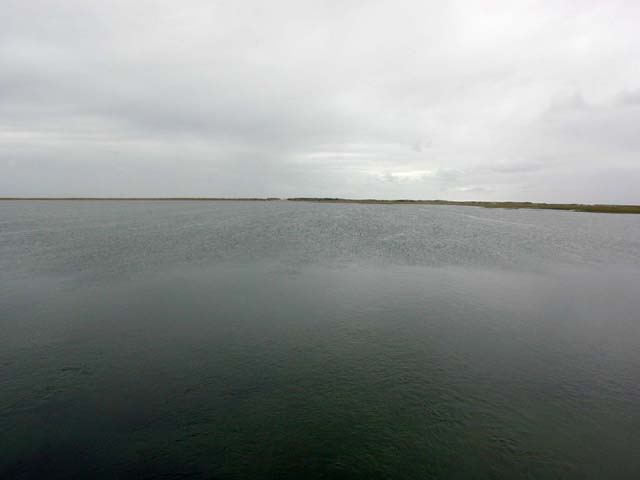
x=250 y=340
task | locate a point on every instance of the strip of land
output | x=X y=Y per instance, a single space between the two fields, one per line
x=575 y=207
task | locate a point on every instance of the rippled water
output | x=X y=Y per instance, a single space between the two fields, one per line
x=286 y=340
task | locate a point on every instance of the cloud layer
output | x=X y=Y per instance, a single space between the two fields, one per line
x=412 y=99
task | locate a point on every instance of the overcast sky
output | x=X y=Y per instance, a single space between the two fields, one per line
x=505 y=100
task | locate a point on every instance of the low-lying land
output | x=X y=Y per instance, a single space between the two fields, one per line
x=576 y=207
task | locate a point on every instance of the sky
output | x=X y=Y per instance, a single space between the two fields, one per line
x=460 y=100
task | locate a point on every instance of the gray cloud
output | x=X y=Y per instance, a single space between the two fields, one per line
x=460 y=100
x=629 y=98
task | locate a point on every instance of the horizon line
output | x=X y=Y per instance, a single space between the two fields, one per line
x=328 y=200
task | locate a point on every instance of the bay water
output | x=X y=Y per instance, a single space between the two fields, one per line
x=195 y=339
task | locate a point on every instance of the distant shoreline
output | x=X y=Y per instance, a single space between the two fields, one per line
x=146 y=199
x=575 y=207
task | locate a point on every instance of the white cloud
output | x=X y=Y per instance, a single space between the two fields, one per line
x=413 y=99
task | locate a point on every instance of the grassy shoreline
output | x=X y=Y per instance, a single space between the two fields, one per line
x=574 y=207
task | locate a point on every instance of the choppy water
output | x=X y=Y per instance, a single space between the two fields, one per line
x=284 y=340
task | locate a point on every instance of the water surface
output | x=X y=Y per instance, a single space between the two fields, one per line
x=286 y=340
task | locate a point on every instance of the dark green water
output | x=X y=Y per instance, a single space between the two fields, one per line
x=282 y=340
